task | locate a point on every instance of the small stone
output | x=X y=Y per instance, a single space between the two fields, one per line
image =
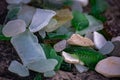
x=60 y=46
x=99 y=40
x=116 y=51
x=109 y=67
x=76 y=39
x=18 y=68
x=107 y=48
x=81 y=68
x=41 y=19
x=69 y=59
x=115 y=39
x=44 y=65
x=14 y=27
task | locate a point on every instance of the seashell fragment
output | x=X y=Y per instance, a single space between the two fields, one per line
x=41 y=19
x=28 y=48
x=60 y=46
x=14 y=27
x=76 y=39
x=43 y=65
x=26 y=13
x=69 y=59
x=18 y=68
x=109 y=67
x=107 y=48
x=81 y=68
x=99 y=40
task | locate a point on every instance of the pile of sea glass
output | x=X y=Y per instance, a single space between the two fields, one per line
x=64 y=33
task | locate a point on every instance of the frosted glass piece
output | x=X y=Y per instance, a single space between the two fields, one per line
x=28 y=48
x=41 y=19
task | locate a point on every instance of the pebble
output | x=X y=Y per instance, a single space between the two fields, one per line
x=109 y=67
x=14 y=27
x=60 y=46
x=77 y=39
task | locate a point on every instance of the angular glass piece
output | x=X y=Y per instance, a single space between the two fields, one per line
x=49 y=74
x=99 y=40
x=17 y=1
x=89 y=35
x=41 y=19
x=26 y=13
x=43 y=65
x=42 y=33
x=51 y=26
x=107 y=48
x=77 y=6
x=63 y=16
x=13 y=1
x=27 y=47
x=81 y=68
x=18 y=68
x=26 y=1
x=94 y=25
